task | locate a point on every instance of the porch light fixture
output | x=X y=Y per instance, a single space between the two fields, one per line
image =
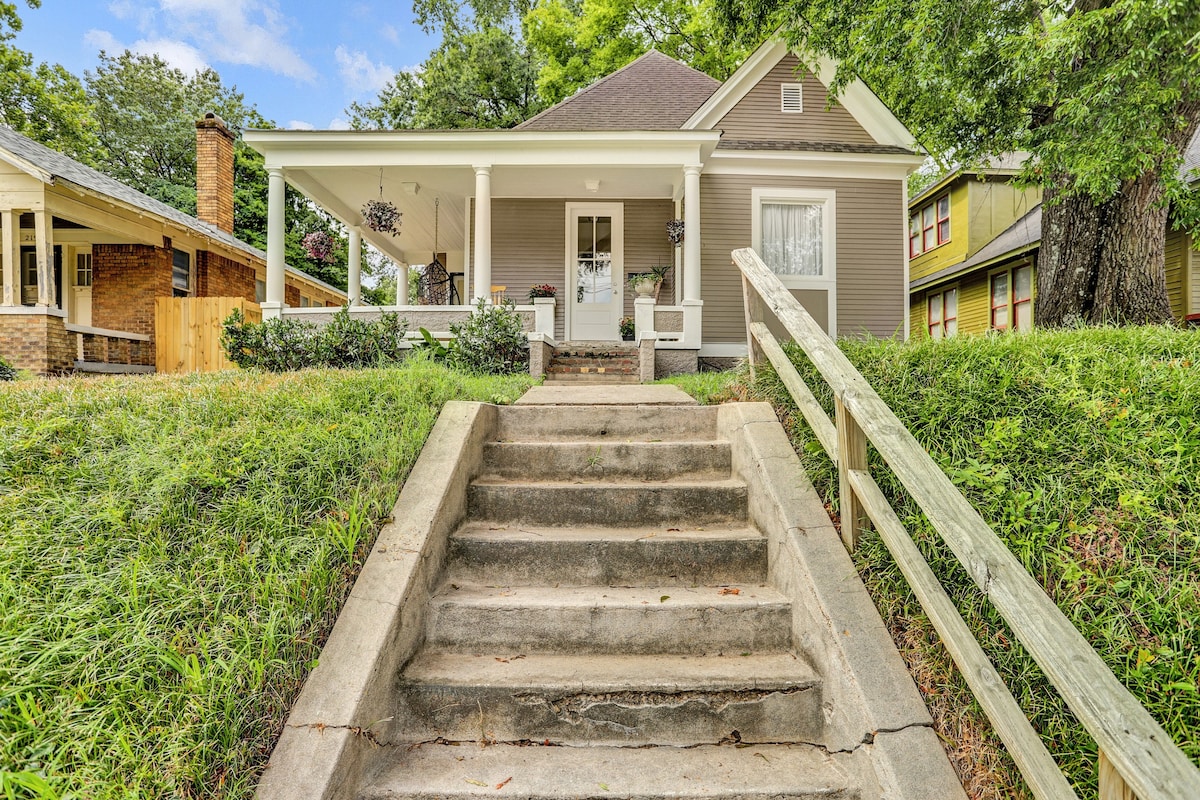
x=411 y=188
x=381 y=215
x=592 y=185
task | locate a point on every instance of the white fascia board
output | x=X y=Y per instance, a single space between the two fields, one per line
x=304 y=149
x=857 y=98
x=812 y=164
x=32 y=170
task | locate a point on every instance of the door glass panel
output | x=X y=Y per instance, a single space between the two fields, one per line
x=593 y=281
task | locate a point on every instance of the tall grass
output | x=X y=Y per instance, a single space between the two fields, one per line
x=1082 y=450
x=173 y=552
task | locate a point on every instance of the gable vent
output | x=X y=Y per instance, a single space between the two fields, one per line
x=791 y=99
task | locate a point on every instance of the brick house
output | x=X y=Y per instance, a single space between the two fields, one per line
x=84 y=257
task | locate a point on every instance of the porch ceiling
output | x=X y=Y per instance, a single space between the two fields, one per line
x=344 y=190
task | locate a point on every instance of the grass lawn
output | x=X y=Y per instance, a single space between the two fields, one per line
x=173 y=552
x=1082 y=450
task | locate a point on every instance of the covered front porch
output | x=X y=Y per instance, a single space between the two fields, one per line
x=502 y=211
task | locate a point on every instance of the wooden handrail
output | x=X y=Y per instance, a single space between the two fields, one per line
x=1138 y=750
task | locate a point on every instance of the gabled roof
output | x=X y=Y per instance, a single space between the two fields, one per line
x=654 y=92
x=1005 y=165
x=52 y=167
x=857 y=98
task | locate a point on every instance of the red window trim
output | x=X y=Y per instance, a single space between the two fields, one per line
x=927 y=237
x=929 y=323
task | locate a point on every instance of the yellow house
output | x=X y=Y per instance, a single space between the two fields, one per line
x=973 y=248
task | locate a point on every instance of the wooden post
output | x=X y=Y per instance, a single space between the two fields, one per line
x=753 y=351
x=852 y=454
x=1112 y=785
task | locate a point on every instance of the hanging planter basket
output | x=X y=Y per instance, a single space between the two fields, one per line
x=382 y=216
x=675 y=232
x=319 y=246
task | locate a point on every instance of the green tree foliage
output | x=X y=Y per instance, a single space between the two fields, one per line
x=42 y=101
x=1102 y=93
x=580 y=41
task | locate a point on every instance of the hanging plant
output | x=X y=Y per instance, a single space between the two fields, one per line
x=319 y=246
x=675 y=231
x=381 y=215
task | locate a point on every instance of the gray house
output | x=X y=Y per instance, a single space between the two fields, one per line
x=580 y=197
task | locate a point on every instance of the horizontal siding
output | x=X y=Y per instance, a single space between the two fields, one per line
x=870 y=252
x=758 y=115
x=529 y=246
x=1192 y=265
x=974 y=306
x=1176 y=255
x=952 y=252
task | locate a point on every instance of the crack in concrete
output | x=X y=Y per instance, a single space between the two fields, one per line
x=574 y=709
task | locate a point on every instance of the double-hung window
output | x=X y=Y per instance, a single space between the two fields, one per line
x=181 y=273
x=929 y=226
x=793 y=232
x=942 y=313
x=1011 y=293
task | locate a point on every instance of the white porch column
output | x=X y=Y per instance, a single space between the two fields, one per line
x=354 y=277
x=483 y=233
x=44 y=233
x=272 y=307
x=401 y=283
x=9 y=259
x=691 y=233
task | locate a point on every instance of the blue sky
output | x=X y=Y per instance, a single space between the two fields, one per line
x=301 y=62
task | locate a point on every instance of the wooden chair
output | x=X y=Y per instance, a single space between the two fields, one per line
x=498 y=294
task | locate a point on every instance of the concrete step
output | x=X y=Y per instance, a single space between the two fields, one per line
x=674 y=504
x=598 y=378
x=558 y=370
x=606 y=460
x=485 y=553
x=596 y=349
x=586 y=361
x=726 y=772
x=610 y=619
x=614 y=699
x=616 y=423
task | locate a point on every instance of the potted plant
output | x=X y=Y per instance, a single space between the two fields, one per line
x=542 y=290
x=625 y=326
x=647 y=283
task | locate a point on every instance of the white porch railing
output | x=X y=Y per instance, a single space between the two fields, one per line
x=1138 y=760
x=674 y=327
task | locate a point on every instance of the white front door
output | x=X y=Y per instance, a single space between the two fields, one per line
x=595 y=268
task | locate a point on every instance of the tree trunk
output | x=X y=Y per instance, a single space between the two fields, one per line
x=1066 y=266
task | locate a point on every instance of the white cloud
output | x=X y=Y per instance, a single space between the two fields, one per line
x=390 y=33
x=339 y=124
x=360 y=73
x=250 y=32
x=178 y=54
x=300 y=125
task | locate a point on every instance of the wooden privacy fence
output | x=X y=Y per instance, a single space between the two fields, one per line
x=187 y=332
x=1138 y=760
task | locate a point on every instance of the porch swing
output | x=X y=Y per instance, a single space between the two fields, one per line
x=436 y=287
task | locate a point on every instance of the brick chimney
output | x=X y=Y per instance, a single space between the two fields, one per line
x=214 y=172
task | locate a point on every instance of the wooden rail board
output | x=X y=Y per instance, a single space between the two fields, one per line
x=1138 y=748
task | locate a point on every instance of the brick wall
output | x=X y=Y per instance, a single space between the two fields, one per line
x=37 y=342
x=214 y=172
x=217 y=276
x=291 y=295
x=125 y=280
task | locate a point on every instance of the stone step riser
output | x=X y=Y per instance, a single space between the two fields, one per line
x=607 y=424
x=662 y=627
x=645 y=562
x=585 y=361
x=609 y=505
x=629 y=717
x=600 y=369
x=600 y=462
x=591 y=379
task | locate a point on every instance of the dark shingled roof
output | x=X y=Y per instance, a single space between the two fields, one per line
x=67 y=169
x=1016 y=238
x=652 y=93
x=825 y=147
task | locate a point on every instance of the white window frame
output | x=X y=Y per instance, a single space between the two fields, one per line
x=940 y=294
x=825 y=197
x=1010 y=302
x=85 y=255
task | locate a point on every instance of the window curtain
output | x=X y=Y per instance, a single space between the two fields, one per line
x=793 y=238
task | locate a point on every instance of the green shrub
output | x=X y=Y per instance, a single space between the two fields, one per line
x=284 y=344
x=490 y=342
x=7 y=372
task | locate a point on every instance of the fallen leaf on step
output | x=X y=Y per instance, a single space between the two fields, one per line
x=673 y=529
x=474 y=782
x=504 y=782
x=730 y=590
x=603 y=786
x=664 y=598
x=764 y=758
x=502 y=660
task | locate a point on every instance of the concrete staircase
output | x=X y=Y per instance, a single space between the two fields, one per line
x=593 y=363
x=608 y=592
x=605 y=628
